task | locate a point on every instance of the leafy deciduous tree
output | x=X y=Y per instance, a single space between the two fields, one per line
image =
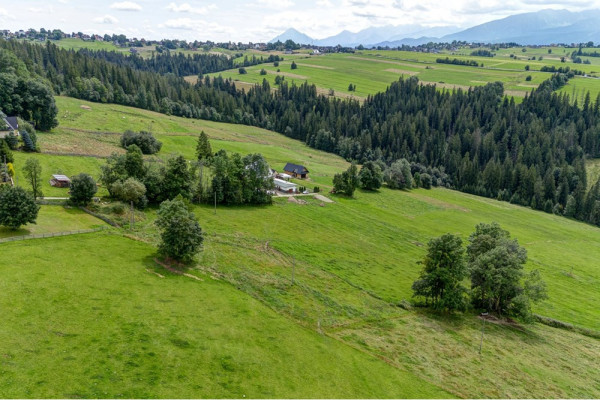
x=33 y=173
x=82 y=189
x=17 y=207
x=181 y=235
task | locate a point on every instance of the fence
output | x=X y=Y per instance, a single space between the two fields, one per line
x=48 y=235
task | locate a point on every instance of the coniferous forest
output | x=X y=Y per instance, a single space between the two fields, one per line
x=477 y=141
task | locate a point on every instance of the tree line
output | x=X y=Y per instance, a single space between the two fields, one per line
x=531 y=153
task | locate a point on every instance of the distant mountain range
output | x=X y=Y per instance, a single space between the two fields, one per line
x=542 y=27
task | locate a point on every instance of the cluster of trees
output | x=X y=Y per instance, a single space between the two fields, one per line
x=493 y=263
x=166 y=62
x=147 y=143
x=226 y=179
x=482 y=53
x=456 y=61
x=234 y=180
x=562 y=70
x=399 y=175
x=25 y=95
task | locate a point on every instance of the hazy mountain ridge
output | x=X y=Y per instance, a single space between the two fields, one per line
x=535 y=28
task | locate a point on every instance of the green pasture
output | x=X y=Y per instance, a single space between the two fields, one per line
x=57 y=164
x=341 y=329
x=54 y=219
x=354 y=260
x=93 y=316
x=95 y=132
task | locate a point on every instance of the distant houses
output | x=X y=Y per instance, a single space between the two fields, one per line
x=295 y=170
x=9 y=125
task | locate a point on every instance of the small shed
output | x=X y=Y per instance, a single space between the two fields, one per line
x=61 y=181
x=297 y=171
x=285 y=186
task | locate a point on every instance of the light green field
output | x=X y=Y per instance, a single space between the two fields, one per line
x=54 y=219
x=85 y=317
x=58 y=164
x=96 y=132
x=373 y=70
x=354 y=260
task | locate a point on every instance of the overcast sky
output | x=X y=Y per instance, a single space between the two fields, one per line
x=257 y=20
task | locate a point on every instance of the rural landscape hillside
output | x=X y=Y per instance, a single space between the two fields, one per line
x=298 y=219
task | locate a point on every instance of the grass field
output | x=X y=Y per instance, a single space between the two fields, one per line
x=54 y=219
x=354 y=260
x=96 y=132
x=58 y=164
x=373 y=70
x=106 y=326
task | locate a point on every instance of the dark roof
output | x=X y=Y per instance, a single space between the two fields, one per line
x=295 y=168
x=12 y=123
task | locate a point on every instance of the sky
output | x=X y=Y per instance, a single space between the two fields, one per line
x=257 y=20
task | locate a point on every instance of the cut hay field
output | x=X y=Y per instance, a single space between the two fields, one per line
x=354 y=261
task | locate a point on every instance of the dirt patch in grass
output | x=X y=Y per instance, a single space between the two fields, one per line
x=386 y=62
x=515 y=93
x=290 y=75
x=342 y=95
x=445 y=85
x=316 y=66
x=437 y=202
x=400 y=71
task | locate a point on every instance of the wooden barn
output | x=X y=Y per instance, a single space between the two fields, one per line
x=295 y=170
x=61 y=181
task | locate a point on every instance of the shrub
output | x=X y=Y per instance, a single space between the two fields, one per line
x=144 y=140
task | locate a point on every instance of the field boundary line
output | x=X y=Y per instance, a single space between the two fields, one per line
x=49 y=235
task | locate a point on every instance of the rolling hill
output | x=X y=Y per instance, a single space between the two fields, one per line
x=354 y=261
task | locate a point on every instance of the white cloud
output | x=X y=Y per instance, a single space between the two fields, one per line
x=107 y=19
x=181 y=23
x=126 y=6
x=41 y=10
x=276 y=4
x=187 y=8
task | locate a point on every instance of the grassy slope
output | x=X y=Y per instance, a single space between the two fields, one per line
x=106 y=327
x=58 y=164
x=391 y=211
x=354 y=257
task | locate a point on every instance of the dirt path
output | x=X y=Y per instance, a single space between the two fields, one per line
x=323 y=198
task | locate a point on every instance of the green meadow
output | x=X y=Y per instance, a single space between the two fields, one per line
x=55 y=219
x=342 y=328
x=90 y=316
